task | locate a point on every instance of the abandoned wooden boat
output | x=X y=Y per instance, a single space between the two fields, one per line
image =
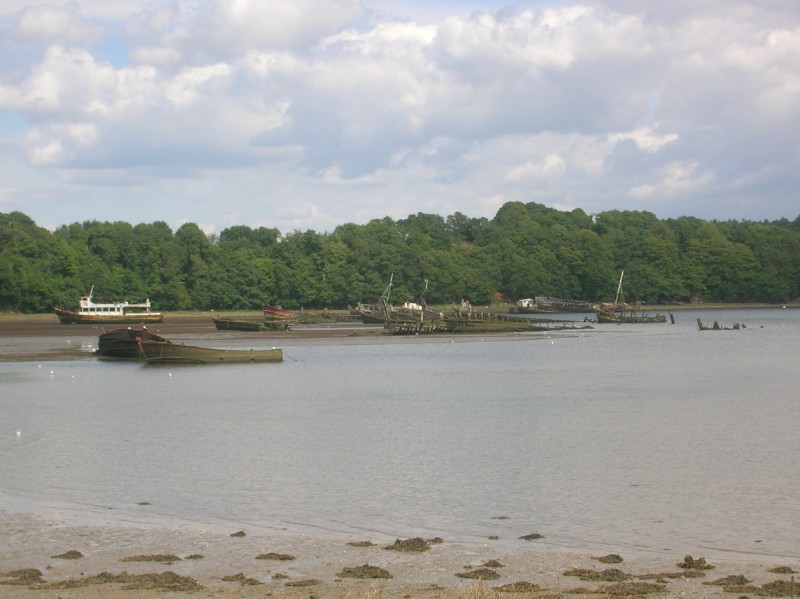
x=121 y=343
x=415 y=318
x=540 y=304
x=478 y=323
x=367 y=313
x=89 y=312
x=489 y=322
x=164 y=352
x=408 y=311
x=275 y=312
x=461 y=320
x=620 y=312
x=229 y=324
x=625 y=314
x=420 y=327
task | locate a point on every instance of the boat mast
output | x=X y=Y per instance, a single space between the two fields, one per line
x=619 y=288
x=385 y=295
x=383 y=302
x=422 y=302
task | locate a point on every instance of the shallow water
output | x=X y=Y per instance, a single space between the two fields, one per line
x=636 y=438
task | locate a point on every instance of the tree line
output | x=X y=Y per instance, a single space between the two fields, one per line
x=524 y=251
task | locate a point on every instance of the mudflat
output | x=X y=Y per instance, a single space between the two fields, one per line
x=185 y=327
x=47 y=325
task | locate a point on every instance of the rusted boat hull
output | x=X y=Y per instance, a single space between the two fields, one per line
x=275 y=312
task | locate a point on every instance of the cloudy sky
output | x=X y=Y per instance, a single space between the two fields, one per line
x=307 y=114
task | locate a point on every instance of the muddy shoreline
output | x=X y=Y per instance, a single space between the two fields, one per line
x=47 y=558
x=73 y=342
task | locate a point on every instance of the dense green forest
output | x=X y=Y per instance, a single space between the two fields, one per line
x=525 y=250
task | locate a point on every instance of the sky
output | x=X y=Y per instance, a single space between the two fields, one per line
x=309 y=114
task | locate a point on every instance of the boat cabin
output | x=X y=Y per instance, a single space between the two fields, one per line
x=412 y=306
x=87 y=307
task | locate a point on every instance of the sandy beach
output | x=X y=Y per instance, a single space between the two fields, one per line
x=51 y=553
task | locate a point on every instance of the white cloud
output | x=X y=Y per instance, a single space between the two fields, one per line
x=44 y=23
x=332 y=105
x=552 y=167
x=646 y=139
x=156 y=55
x=269 y=65
x=56 y=144
x=67 y=82
x=675 y=178
x=152 y=21
x=188 y=86
x=228 y=28
x=333 y=176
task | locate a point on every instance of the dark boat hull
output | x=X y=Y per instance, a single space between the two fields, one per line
x=155 y=352
x=122 y=344
x=228 y=324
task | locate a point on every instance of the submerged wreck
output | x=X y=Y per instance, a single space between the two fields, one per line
x=715 y=327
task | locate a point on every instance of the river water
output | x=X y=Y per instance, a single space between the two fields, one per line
x=635 y=438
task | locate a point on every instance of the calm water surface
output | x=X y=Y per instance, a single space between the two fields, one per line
x=636 y=438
